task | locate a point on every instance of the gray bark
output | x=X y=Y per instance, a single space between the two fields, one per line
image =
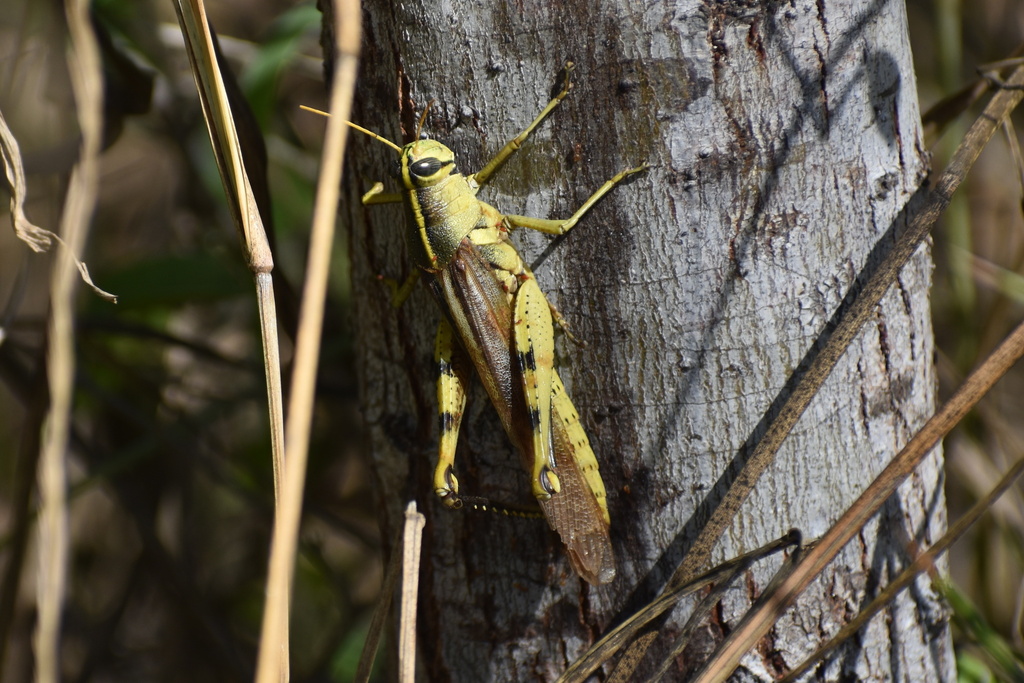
x=784 y=139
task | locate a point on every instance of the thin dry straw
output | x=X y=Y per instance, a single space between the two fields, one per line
x=923 y=562
x=758 y=621
x=87 y=84
x=307 y=344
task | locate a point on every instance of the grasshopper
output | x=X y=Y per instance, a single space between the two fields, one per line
x=498 y=320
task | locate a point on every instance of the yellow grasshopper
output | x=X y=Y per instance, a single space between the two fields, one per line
x=498 y=319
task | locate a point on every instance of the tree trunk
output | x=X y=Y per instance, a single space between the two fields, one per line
x=784 y=139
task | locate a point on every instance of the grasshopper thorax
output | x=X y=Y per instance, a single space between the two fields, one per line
x=425 y=163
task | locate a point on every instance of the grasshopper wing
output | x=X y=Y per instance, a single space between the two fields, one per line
x=579 y=513
x=482 y=317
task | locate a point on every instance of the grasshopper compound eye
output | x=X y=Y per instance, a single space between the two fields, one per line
x=424 y=168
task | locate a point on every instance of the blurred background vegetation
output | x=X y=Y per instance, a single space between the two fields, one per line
x=171 y=501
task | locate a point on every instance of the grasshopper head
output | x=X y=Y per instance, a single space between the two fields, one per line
x=425 y=163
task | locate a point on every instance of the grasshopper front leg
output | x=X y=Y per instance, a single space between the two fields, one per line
x=452 y=380
x=377 y=195
x=480 y=178
x=399 y=292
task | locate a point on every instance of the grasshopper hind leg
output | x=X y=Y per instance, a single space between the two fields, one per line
x=535 y=354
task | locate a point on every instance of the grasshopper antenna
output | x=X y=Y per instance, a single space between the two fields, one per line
x=359 y=128
x=423 y=118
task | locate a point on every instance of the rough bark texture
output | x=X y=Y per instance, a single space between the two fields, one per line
x=784 y=140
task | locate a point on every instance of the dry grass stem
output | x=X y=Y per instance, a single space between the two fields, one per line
x=760 y=619
x=307 y=343
x=231 y=159
x=412 y=540
x=925 y=561
x=87 y=83
x=380 y=614
x=38 y=239
x=604 y=649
